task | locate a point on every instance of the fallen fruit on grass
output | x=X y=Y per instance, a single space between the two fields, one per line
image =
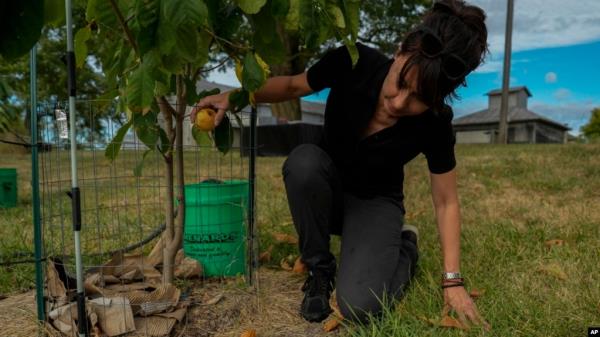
x=287 y=263
x=451 y=322
x=555 y=242
x=299 y=266
x=475 y=293
x=265 y=256
x=248 y=333
x=285 y=238
x=331 y=324
x=205 y=119
x=554 y=270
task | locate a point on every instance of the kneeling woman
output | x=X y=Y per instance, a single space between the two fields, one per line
x=380 y=114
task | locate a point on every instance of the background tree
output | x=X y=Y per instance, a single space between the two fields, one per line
x=591 y=130
x=383 y=23
x=51 y=75
x=21 y=24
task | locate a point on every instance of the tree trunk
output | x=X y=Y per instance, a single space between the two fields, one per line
x=179 y=167
x=168 y=257
x=174 y=232
x=290 y=110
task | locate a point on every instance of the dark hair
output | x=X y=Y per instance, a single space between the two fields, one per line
x=462 y=31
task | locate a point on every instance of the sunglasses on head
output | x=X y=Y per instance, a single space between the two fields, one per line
x=431 y=46
x=443 y=7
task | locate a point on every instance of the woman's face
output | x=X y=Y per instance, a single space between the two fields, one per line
x=402 y=99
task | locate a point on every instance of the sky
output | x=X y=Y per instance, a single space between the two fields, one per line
x=556 y=54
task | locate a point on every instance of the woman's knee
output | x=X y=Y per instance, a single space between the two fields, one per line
x=302 y=163
x=359 y=306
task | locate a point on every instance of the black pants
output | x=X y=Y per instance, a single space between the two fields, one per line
x=375 y=262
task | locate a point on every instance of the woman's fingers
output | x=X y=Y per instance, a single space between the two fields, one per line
x=219 y=116
x=473 y=314
x=206 y=102
x=463 y=319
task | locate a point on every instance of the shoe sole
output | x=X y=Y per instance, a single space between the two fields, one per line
x=411 y=228
x=317 y=318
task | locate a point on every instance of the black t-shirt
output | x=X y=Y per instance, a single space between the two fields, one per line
x=375 y=164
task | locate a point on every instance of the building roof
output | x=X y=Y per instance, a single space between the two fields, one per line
x=515 y=114
x=510 y=90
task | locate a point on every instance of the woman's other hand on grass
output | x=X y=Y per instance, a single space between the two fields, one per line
x=458 y=300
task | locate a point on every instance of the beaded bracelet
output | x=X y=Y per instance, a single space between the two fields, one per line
x=460 y=284
x=460 y=279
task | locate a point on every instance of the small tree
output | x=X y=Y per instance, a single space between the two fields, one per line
x=591 y=130
x=156 y=49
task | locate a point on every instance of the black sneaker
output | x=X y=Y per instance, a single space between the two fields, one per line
x=317 y=291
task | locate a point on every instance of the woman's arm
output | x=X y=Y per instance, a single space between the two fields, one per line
x=445 y=200
x=283 y=88
x=276 y=89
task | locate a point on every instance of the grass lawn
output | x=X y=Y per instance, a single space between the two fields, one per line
x=513 y=200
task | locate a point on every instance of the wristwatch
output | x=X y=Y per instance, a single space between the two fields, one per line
x=448 y=276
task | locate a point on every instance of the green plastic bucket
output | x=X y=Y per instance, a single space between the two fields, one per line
x=215 y=231
x=8 y=187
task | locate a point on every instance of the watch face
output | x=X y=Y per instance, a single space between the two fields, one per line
x=451 y=275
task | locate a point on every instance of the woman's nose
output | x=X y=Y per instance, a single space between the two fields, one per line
x=399 y=101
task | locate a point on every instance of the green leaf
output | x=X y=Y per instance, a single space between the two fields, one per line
x=140 y=89
x=253 y=76
x=251 y=6
x=292 y=20
x=280 y=8
x=264 y=24
x=20 y=26
x=146 y=128
x=145 y=24
x=266 y=38
x=185 y=48
x=137 y=171
x=174 y=64
x=178 y=32
x=81 y=50
x=204 y=93
x=273 y=52
x=203 y=40
x=112 y=150
x=165 y=145
x=337 y=16
x=238 y=100
x=54 y=12
x=226 y=23
x=311 y=22
x=351 y=9
x=184 y=12
x=190 y=90
x=352 y=50
x=201 y=137
x=165 y=36
x=162 y=83
x=102 y=12
x=118 y=60
x=223 y=135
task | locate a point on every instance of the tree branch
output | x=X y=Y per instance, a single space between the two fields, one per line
x=168 y=111
x=124 y=26
x=234 y=45
x=200 y=71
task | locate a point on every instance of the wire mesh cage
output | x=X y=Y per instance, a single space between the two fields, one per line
x=124 y=207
